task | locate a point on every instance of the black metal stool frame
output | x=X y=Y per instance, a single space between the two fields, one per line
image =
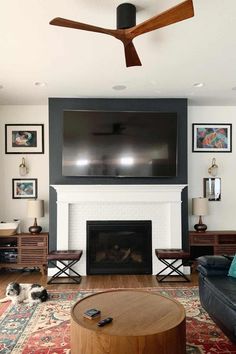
x=76 y=278
x=174 y=269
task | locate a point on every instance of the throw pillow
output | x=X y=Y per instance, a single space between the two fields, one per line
x=232 y=269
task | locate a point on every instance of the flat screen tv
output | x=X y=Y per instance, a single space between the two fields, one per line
x=119 y=144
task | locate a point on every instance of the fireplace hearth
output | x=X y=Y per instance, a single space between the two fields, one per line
x=119 y=247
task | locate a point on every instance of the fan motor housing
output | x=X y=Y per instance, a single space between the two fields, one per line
x=125 y=16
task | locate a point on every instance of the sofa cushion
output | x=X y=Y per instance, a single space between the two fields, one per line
x=217 y=262
x=232 y=269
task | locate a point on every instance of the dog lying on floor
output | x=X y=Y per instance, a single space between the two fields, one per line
x=25 y=293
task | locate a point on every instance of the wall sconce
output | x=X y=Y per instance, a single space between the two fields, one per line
x=23 y=170
x=213 y=169
x=200 y=208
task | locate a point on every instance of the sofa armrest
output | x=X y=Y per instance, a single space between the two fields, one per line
x=214 y=265
x=209 y=272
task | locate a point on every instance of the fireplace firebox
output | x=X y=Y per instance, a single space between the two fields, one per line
x=119 y=247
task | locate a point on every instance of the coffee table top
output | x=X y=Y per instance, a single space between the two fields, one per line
x=134 y=312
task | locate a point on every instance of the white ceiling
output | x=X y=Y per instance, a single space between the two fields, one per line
x=76 y=63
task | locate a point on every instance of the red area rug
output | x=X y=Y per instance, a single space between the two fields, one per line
x=45 y=328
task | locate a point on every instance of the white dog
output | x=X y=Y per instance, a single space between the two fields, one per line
x=25 y=293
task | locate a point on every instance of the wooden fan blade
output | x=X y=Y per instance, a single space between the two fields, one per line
x=175 y=14
x=58 y=21
x=131 y=56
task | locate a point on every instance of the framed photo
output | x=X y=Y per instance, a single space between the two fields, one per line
x=212 y=188
x=24 y=139
x=26 y=188
x=212 y=138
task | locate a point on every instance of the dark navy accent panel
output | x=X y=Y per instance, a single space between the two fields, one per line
x=56 y=109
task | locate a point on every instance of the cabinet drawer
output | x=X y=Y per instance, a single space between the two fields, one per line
x=202 y=239
x=34 y=241
x=227 y=239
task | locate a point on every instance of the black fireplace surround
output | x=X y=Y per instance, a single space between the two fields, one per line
x=119 y=247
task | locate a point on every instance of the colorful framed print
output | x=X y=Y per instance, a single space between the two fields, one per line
x=24 y=139
x=24 y=188
x=212 y=188
x=212 y=138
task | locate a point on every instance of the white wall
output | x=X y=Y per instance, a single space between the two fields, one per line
x=9 y=165
x=222 y=214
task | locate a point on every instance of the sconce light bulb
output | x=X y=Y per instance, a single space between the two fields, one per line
x=213 y=169
x=22 y=168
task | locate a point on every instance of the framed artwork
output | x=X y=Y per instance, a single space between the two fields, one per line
x=26 y=188
x=212 y=188
x=24 y=139
x=212 y=138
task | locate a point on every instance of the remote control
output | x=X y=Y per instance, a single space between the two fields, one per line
x=105 y=321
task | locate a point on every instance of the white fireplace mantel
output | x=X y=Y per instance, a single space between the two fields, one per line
x=78 y=203
x=118 y=193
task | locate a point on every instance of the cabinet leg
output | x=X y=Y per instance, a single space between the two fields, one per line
x=43 y=269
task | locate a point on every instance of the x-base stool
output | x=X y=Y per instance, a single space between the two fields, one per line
x=64 y=261
x=170 y=257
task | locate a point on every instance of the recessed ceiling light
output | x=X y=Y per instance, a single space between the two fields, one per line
x=40 y=83
x=119 y=87
x=198 y=84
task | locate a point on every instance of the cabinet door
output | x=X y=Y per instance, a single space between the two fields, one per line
x=33 y=249
x=225 y=249
x=202 y=239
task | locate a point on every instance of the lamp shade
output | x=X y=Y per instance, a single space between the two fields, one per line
x=35 y=208
x=200 y=206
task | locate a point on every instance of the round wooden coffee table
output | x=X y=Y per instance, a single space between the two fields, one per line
x=144 y=322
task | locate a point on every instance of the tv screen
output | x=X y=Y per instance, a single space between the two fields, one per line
x=119 y=144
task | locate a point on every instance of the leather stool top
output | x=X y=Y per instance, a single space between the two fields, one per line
x=172 y=253
x=65 y=255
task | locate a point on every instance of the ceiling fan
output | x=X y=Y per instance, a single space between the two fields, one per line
x=127 y=29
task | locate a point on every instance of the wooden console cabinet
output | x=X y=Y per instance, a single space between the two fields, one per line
x=212 y=243
x=24 y=251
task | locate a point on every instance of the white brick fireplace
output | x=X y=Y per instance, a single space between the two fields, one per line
x=77 y=204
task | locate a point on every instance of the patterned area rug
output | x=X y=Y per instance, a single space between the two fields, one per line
x=45 y=328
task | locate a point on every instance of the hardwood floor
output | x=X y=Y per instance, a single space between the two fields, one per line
x=91 y=281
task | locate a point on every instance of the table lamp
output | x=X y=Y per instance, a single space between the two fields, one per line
x=200 y=208
x=35 y=209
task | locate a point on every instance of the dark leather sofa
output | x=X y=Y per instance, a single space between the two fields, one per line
x=217 y=292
